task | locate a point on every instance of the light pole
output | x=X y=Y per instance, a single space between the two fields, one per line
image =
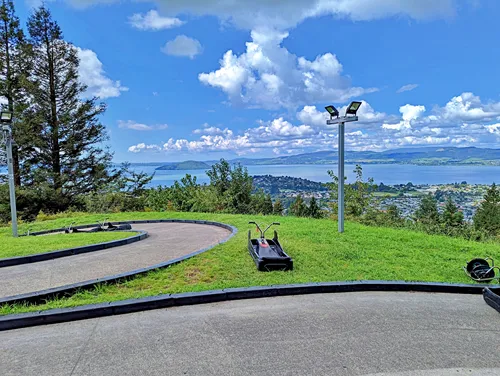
x=350 y=115
x=6 y=122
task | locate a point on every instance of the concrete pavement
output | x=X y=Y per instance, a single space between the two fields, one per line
x=166 y=241
x=384 y=333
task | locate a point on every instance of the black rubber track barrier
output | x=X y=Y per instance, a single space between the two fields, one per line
x=492 y=299
x=170 y=300
x=140 y=235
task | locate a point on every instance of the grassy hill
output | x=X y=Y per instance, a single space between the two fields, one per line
x=187 y=165
x=320 y=254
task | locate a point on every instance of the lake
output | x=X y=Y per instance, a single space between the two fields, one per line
x=382 y=173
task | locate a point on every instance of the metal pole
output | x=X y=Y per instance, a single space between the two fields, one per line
x=340 y=202
x=12 y=188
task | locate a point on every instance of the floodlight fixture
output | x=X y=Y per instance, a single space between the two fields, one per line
x=353 y=108
x=332 y=111
x=5 y=116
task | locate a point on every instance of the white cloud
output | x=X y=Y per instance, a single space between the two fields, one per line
x=153 y=21
x=130 y=124
x=409 y=114
x=143 y=147
x=374 y=131
x=493 y=129
x=92 y=74
x=267 y=75
x=466 y=107
x=210 y=130
x=408 y=87
x=183 y=45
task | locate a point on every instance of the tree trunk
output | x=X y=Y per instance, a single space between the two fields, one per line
x=56 y=158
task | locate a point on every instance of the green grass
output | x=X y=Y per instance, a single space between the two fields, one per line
x=30 y=245
x=319 y=253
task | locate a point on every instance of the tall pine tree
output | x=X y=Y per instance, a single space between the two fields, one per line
x=452 y=217
x=14 y=68
x=67 y=146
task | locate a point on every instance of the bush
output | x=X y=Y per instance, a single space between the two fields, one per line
x=113 y=202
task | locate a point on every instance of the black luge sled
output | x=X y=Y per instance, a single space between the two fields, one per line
x=105 y=226
x=268 y=254
x=480 y=270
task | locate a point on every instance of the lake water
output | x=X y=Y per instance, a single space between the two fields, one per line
x=382 y=173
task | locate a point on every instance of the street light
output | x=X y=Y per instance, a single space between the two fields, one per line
x=6 y=121
x=352 y=110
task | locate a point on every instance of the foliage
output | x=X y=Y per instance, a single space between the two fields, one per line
x=298 y=207
x=427 y=211
x=358 y=196
x=487 y=216
x=314 y=211
x=233 y=186
x=452 y=217
x=113 y=202
x=278 y=208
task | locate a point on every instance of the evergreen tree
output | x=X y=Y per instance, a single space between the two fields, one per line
x=14 y=69
x=268 y=205
x=314 y=210
x=451 y=216
x=298 y=207
x=67 y=149
x=487 y=217
x=278 y=208
x=427 y=212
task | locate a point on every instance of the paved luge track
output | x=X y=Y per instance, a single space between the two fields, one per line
x=166 y=241
x=324 y=334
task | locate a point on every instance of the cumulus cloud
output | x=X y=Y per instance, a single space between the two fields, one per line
x=143 y=147
x=466 y=107
x=375 y=131
x=183 y=45
x=153 y=21
x=408 y=87
x=130 y=124
x=268 y=76
x=92 y=74
x=409 y=114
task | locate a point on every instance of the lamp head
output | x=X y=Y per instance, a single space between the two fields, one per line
x=5 y=117
x=332 y=111
x=353 y=108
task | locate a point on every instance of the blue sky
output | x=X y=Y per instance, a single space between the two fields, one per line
x=189 y=79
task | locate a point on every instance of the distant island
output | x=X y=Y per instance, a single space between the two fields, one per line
x=423 y=156
x=186 y=165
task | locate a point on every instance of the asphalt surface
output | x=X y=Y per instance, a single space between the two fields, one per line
x=330 y=334
x=166 y=241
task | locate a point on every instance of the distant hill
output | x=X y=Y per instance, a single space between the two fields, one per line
x=420 y=156
x=431 y=156
x=187 y=165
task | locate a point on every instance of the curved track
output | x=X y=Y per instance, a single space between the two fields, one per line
x=166 y=241
x=386 y=333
